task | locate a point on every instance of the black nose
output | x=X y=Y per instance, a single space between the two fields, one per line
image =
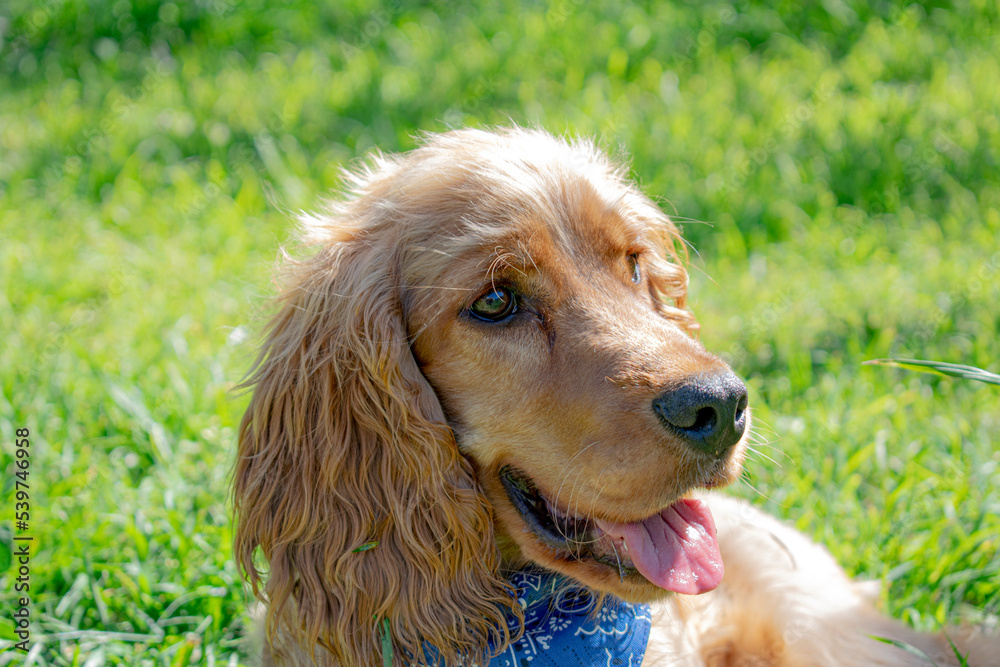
x=708 y=412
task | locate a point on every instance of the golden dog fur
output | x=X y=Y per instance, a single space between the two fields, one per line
x=369 y=458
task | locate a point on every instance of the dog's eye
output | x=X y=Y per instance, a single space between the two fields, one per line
x=633 y=264
x=497 y=304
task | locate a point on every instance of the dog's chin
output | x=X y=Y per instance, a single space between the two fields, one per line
x=672 y=550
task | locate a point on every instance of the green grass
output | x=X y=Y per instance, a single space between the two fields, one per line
x=844 y=158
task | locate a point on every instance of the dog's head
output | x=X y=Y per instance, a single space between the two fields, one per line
x=487 y=363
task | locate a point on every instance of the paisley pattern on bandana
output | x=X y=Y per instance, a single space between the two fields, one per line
x=565 y=627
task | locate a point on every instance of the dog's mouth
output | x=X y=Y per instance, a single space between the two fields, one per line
x=674 y=548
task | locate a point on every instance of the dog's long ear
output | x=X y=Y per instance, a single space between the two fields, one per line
x=350 y=482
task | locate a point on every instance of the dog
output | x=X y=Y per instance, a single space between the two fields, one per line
x=483 y=395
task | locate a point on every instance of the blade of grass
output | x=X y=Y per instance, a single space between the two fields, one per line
x=962 y=660
x=939 y=368
x=905 y=647
x=386 y=644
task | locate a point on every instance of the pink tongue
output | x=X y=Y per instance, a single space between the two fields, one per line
x=675 y=549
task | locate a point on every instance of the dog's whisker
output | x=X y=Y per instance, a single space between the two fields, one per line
x=621 y=573
x=575 y=505
x=759 y=440
x=556 y=501
x=762 y=432
x=683 y=218
x=663 y=201
x=760 y=457
x=524 y=249
x=745 y=479
x=420 y=248
x=766 y=444
x=565 y=477
x=589 y=517
x=762 y=435
x=454 y=289
x=760 y=446
x=412 y=339
x=700 y=270
x=753 y=448
x=760 y=423
x=570 y=463
x=502 y=260
x=759 y=430
x=776 y=460
x=505 y=256
x=693 y=249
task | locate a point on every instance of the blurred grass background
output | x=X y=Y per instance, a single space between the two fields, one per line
x=834 y=165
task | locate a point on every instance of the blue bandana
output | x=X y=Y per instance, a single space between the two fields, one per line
x=565 y=627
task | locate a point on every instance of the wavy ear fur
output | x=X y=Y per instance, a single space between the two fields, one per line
x=344 y=446
x=666 y=267
x=668 y=277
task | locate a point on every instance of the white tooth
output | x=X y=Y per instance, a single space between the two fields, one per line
x=625 y=545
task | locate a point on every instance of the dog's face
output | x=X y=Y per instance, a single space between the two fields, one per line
x=585 y=406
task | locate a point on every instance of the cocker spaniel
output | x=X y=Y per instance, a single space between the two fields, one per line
x=482 y=429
